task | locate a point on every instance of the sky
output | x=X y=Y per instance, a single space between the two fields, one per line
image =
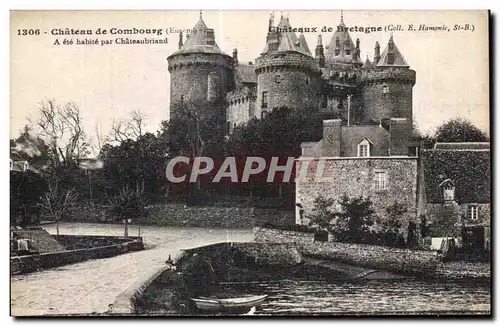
x=108 y=82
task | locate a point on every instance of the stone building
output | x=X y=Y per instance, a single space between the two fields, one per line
x=455 y=194
x=286 y=73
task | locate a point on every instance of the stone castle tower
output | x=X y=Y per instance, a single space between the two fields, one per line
x=387 y=85
x=287 y=74
x=199 y=71
x=334 y=80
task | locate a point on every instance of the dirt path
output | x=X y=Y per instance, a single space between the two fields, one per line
x=89 y=287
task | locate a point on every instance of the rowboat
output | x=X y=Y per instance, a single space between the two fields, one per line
x=229 y=304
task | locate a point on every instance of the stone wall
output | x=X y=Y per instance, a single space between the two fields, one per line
x=73 y=242
x=275 y=235
x=32 y=263
x=233 y=217
x=406 y=261
x=355 y=177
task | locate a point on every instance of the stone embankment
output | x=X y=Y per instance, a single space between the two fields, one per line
x=405 y=261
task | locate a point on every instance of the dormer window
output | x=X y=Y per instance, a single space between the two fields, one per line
x=448 y=190
x=364 y=148
x=385 y=89
x=390 y=58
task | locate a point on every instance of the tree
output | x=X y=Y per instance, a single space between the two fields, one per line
x=391 y=224
x=127 y=205
x=459 y=130
x=56 y=202
x=350 y=223
x=26 y=188
x=355 y=218
x=195 y=130
x=62 y=127
x=322 y=215
x=426 y=141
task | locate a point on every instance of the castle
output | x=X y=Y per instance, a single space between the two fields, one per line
x=334 y=80
x=367 y=148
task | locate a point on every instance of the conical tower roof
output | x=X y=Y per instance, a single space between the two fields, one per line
x=341 y=47
x=392 y=56
x=288 y=40
x=303 y=43
x=202 y=39
x=368 y=64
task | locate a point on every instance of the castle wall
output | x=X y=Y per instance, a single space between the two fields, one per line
x=239 y=111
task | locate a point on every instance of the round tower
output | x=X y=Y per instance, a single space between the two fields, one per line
x=387 y=86
x=287 y=74
x=199 y=70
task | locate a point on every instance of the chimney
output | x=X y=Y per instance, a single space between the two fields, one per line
x=320 y=53
x=400 y=130
x=376 y=57
x=235 y=56
x=180 y=40
x=332 y=136
x=358 y=51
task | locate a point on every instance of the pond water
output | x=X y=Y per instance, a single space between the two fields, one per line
x=299 y=297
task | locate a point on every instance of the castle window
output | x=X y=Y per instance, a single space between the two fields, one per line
x=307 y=80
x=473 y=212
x=277 y=79
x=448 y=190
x=380 y=180
x=364 y=148
x=11 y=164
x=264 y=100
x=385 y=89
x=390 y=58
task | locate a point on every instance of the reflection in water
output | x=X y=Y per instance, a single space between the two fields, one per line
x=370 y=297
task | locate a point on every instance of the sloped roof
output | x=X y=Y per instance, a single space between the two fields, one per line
x=469 y=170
x=288 y=40
x=245 y=73
x=199 y=40
x=345 y=42
x=353 y=135
x=22 y=166
x=368 y=64
x=399 y=60
x=303 y=43
x=463 y=146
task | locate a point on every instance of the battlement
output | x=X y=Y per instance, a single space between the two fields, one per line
x=240 y=96
x=285 y=60
x=185 y=60
x=382 y=74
